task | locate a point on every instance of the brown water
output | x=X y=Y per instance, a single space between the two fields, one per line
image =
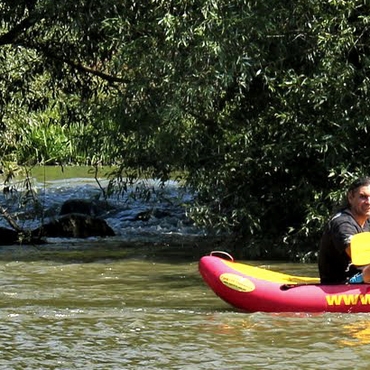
x=148 y=313
x=95 y=305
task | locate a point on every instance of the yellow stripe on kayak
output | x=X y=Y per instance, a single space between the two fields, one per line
x=268 y=275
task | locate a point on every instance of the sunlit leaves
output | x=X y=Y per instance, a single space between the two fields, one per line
x=262 y=104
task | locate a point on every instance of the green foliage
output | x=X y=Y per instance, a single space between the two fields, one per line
x=261 y=104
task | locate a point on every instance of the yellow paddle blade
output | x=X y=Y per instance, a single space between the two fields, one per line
x=360 y=249
x=269 y=275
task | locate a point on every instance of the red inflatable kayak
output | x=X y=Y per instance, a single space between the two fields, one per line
x=252 y=289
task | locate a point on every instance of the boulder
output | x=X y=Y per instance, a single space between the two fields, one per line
x=8 y=236
x=85 y=207
x=82 y=206
x=74 y=225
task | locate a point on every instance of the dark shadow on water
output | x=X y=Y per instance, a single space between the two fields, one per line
x=87 y=251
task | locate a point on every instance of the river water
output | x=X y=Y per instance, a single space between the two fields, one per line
x=49 y=187
x=100 y=304
x=149 y=313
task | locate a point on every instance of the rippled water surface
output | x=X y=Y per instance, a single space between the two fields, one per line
x=94 y=304
x=146 y=313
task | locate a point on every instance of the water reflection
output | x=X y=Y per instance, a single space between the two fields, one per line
x=358 y=333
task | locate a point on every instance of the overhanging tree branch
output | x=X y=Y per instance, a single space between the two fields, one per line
x=11 y=36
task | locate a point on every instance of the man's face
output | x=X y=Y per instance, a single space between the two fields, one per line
x=359 y=200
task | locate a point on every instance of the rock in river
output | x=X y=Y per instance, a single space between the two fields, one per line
x=74 y=225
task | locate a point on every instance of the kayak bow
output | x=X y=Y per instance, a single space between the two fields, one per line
x=252 y=289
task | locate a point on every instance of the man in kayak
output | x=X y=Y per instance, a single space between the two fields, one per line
x=335 y=253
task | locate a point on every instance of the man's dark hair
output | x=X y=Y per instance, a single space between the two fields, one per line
x=362 y=181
